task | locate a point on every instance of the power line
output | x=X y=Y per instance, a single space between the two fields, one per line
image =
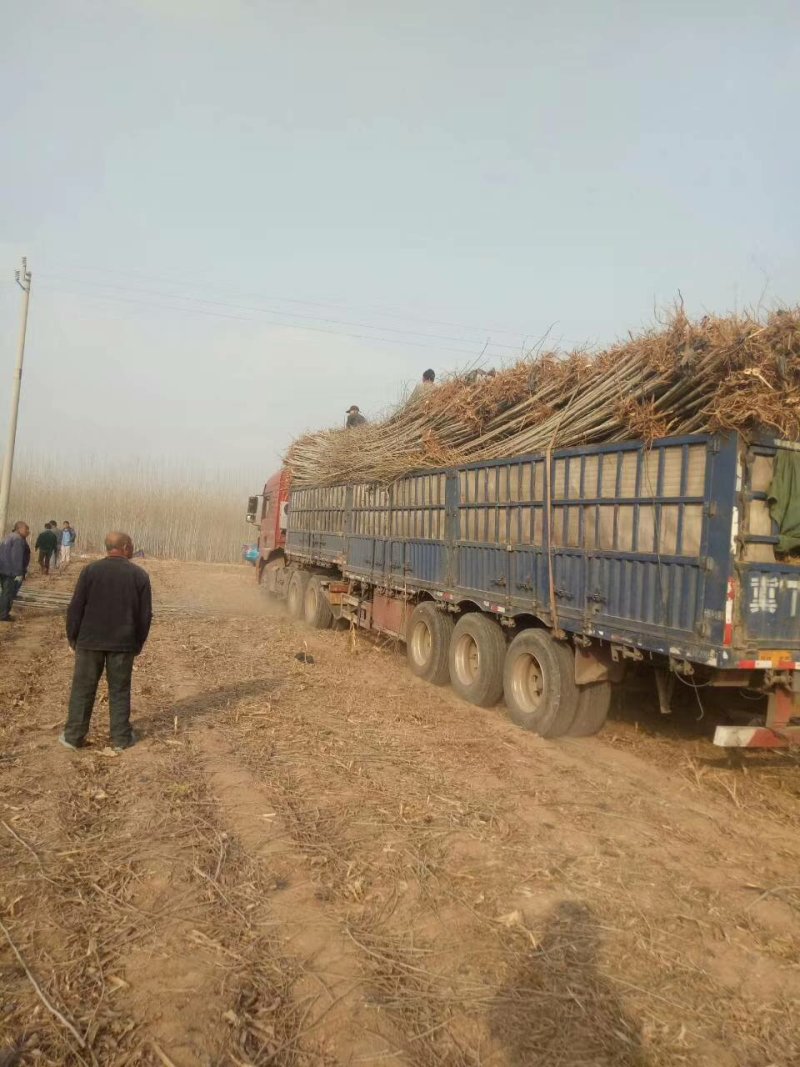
x=287 y=314
x=376 y=309
x=93 y=295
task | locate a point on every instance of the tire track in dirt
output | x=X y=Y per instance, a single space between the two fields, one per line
x=302 y=929
x=659 y=811
x=214 y=982
x=91 y=851
x=421 y=1007
x=149 y=927
x=359 y=1031
x=497 y=899
x=114 y=901
x=326 y=978
x=64 y=899
x=599 y=868
x=426 y=999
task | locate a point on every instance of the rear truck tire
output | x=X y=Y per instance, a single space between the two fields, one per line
x=428 y=637
x=539 y=683
x=594 y=701
x=475 y=659
x=296 y=595
x=316 y=609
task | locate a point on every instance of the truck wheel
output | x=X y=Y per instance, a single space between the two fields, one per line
x=428 y=643
x=477 y=651
x=539 y=683
x=296 y=595
x=594 y=700
x=316 y=608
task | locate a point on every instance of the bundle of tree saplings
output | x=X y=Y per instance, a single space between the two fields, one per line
x=736 y=372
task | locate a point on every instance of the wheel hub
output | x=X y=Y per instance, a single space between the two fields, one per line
x=467 y=659
x=421 y=643
x=527 y=682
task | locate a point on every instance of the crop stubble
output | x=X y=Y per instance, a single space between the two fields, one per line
x=332 y=863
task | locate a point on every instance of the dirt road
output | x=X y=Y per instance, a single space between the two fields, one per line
x=330 y=862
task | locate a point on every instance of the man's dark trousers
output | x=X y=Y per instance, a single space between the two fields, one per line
x=8 y=590
x=89 y=665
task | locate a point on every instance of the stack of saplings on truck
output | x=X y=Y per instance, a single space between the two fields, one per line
x=530 y=534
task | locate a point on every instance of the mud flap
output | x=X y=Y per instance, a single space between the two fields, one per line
x=596 y=664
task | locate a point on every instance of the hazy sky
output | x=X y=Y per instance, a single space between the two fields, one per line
x=244 y=216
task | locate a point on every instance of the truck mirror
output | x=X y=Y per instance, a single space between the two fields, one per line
x=252 y=509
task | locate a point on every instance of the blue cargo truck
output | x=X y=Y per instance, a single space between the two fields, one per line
x=538 y=578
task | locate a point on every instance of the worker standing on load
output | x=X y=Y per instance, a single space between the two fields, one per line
x=354 y=417
x=424 y=387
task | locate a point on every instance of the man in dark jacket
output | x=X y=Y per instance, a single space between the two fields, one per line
x=46 y=545
x=15 y=555
x=354 y=417
x=108 y=621
x=54 y=557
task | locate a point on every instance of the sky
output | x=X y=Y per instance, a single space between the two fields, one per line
x=242 y=217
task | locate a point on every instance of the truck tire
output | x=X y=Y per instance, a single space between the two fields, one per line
x=316 y=609
x=475 y=660
x=296 y=594
x=428 y=637
x=594 y=700
x=539 y=683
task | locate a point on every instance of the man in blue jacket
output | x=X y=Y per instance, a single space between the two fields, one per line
x=66 y=540
x=15 y=555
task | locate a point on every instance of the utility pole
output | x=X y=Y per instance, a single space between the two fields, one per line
x=24 y=282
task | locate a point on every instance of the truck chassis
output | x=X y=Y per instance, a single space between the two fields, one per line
x=538 y=579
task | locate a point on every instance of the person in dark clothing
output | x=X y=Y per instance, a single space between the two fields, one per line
x=108 y=620
x=54 y=558
x=423 y=389
x=46 y=545
x=15 y=555
x=354 y=417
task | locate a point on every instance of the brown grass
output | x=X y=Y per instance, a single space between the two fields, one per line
x=169 y=514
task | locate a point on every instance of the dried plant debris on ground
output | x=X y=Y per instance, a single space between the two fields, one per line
x=326 y=862
x=737 y=372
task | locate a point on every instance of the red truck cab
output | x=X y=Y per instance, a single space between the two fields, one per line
x=268 y=511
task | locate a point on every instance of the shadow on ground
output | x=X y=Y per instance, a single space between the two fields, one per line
x=558 y=1009
x=202 y=704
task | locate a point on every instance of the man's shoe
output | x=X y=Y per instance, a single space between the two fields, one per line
x=8 y=618
x=128 y=744
x=67 y=744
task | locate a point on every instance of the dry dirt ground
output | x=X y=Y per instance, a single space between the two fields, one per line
x=330 y=862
